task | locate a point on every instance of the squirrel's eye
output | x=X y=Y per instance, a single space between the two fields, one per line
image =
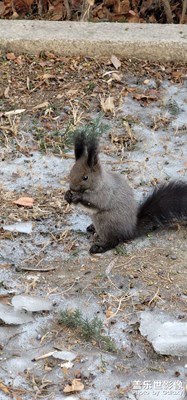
x=85 y=178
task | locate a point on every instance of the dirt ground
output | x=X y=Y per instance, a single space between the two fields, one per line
x=143 y=107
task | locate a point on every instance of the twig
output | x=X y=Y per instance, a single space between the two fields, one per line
x=44 y=356
x=113 y=284
x=73 y=284
x=110 y=266
x=36 y=269
x=86 y=7
x=12 y=112
x=184 y=8
x=68 y=10
x=119 y=306
x=168 y=12
x=154 y=297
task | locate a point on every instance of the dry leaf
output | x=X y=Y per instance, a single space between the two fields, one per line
x=107 y=105
x=109 y=313
x=135 y=19
x=10 y=56
x=10 y=113
x=6 y=95
x=19 y=60
x=24 y=201
x=75 y=386
x=22 y=6
x=48 y=76
x=131 y=89
x=28 y=83
x=15 y=15
x=4 y=388
x=121 y=7
x=71 y=92
x=116 y=63
x=45 y=104
x=117 y=77
x=142 y=96
x=2 y=8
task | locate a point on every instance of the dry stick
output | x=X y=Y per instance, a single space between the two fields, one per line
x=168 y=12
x=119 y=306
x=86 y=7
x=37 y=269
x=44 y=356
x=67 y=7
x=184 y=8
x=154 y=297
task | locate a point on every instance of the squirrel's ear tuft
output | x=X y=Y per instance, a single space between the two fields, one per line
x=93 y=151
x=79 y=145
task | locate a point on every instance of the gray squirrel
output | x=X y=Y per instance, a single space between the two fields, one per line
x=109 y=199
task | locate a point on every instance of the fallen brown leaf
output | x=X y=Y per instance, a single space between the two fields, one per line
x=15 y=15
x=143 y=96
x=48 y=76
x=6 y=95
x=24 y=201
x=107 y=105
x=10 y=56
x=71 y=92
x=23 y=6
x=109 y=313
x=2 y=8
x=4 y=388
x=131 y=89
x=116 y=77
x=45 y=104
x=75 y=386
x=115 y=61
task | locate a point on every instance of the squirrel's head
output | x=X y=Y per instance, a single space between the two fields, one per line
x=86 y=172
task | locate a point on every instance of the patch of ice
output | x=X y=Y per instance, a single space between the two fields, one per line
x=22 y=227
x=13 y=317
x=30 y=303
x=65 y=355
x=167 y=337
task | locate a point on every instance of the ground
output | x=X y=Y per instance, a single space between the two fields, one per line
x=143 y=125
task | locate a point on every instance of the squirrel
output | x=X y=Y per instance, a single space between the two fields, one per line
x=110 y=200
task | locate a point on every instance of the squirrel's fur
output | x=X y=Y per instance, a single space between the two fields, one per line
x=107 y=196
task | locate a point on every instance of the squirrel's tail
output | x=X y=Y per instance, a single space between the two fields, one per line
x=167 y=203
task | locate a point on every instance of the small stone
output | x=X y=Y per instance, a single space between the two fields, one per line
x=78 y=374
x=67 y=109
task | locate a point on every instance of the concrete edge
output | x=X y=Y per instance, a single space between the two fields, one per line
x=152 y=42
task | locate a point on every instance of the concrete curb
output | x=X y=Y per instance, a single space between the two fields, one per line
x=153 y=42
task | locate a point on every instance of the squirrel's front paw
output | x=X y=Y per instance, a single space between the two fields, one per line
x=72 y=197
x=90 y=229
x=68 y=196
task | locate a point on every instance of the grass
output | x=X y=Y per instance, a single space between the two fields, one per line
x=95 y=127
x=60 y=141
x=173 y=107
x=120 y=250
x=88 y=329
